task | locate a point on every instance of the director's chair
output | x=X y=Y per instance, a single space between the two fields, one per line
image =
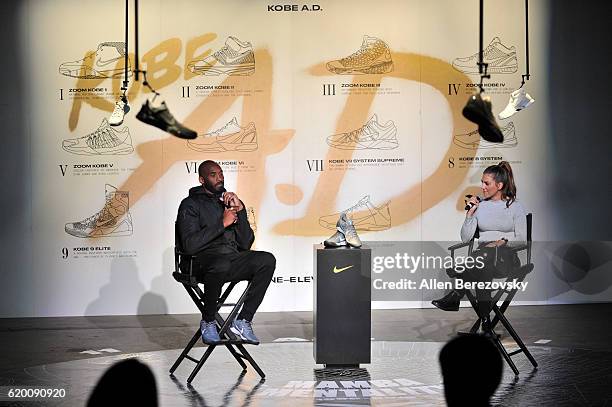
x=184 y=262
x=484 y=320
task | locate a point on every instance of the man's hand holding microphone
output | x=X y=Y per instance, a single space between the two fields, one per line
x=232 y=207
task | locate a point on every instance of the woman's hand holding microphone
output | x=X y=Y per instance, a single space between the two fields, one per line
x=471 y=205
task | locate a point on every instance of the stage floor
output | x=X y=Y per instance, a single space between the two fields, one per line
x=570 y=343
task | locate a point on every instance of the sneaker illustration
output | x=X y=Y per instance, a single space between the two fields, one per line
x=106 y=62
x=500 y=58
x=519 y=100
x=371 y=136
x=161 y=118
x=234 y=58
x=374 y=57
x=116 y=118
x=112 y=220
x=220 y=140
x=105 y=140
x=364 y=215
x=230 y=127
x=473 y=141
x=251 y=218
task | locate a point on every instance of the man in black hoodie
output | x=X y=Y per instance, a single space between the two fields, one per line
x=213 y=226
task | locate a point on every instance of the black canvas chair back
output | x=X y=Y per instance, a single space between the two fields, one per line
x=496 y=311
x=184 y=274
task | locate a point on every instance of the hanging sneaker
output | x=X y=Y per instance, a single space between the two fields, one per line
x=112 y=220
x=161 y=118
x=346 y=227
x=371 y=136
x=220 y=140
x=106 y=62
x=374 y=57
x=519 y=100
x=234 y=58
x=105 y=140
x=479 y=110
x=121 y=108
x=500 y=58
x=473 y=141
x=364 y=215
x=335 y=240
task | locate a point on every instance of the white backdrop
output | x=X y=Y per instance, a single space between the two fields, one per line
x=293 y=177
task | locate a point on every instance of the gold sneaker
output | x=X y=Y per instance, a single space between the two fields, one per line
x=112 y=220
x=373 y=57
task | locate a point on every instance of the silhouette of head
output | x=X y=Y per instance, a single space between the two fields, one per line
x=126 y=383
x=472 y=369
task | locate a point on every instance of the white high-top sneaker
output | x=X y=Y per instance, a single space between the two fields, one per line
x=121 y=108
x=519 y=100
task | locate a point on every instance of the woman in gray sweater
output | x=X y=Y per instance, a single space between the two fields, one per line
x=501 y=223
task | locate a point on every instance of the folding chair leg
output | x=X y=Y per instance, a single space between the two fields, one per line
x=505 y=354
x=236 y=355
x=231 y=342
x=185 y=352
x=475 y=327
x=201 y=363
x=515 y=336
x=248 y=357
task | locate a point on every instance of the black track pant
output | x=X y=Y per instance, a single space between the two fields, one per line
x=214 y=270
x=507 y=261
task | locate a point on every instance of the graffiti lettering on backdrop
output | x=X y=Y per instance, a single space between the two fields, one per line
x=162 y=71
x=257 y=109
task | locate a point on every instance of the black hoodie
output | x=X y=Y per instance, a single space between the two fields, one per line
x=199 y=226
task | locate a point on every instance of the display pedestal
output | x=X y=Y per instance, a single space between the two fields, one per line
x=342 y=306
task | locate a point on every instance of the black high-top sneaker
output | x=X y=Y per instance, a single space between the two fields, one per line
x=161 y=118
x=478 y=110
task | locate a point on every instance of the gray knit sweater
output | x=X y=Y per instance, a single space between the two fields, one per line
x=494 y=221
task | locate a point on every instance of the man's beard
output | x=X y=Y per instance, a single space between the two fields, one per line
x=219 y=189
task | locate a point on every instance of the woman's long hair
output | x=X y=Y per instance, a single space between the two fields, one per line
x=502 y=172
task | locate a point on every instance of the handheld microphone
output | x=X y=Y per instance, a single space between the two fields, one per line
x=471 y=204
x=223 y=191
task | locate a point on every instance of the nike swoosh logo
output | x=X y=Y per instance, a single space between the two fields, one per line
x=337 y=270
x=228 y=59
x=100 y=62
x=504 y=60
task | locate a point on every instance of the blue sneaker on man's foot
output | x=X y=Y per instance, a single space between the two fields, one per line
x=244 y=329
x=210 y=335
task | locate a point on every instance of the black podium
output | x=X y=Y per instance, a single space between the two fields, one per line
x=342 y=306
